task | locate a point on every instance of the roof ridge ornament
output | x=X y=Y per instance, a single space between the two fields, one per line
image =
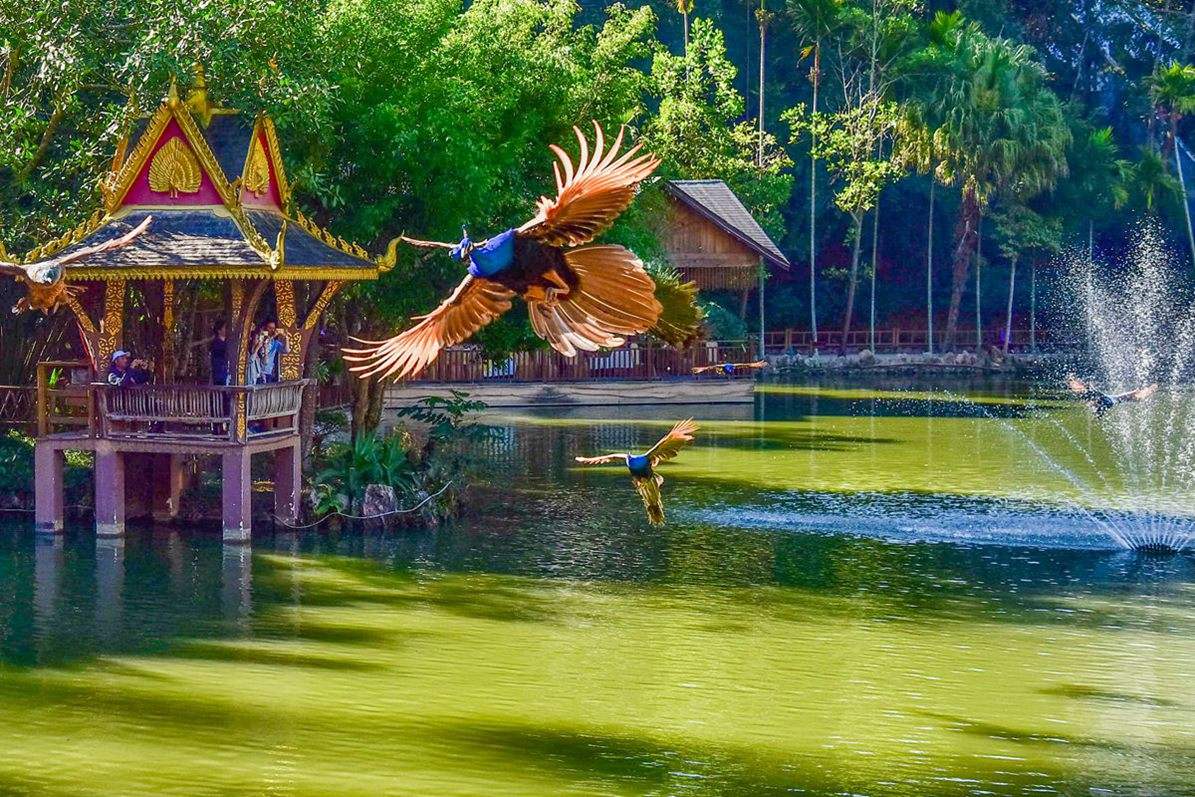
x=197 y=100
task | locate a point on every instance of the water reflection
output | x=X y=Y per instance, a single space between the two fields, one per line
x=778 y=636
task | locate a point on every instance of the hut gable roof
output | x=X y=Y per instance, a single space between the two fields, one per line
x=714 y=201
x=221 y=230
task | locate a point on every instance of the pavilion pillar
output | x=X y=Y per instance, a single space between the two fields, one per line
x=48 y=467
x=111 y=335
x=288 y=480
x=237 y=483
x=167 y=486
x=109 y=492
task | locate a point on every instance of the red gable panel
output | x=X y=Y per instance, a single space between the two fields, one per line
x=140 y=193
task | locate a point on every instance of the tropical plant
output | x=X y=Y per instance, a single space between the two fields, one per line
x=1022 y=232
x=1172 y=89
x=998 y=128
x=349 y=468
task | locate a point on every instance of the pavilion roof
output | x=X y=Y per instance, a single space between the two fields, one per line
x=714 y=201
x=214 y=181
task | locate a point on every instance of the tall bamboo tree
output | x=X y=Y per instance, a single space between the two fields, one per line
x=814 y=21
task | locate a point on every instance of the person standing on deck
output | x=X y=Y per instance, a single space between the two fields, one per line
x=275 y=347
x=218 y=352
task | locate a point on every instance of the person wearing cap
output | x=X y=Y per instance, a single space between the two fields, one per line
x=123 y=373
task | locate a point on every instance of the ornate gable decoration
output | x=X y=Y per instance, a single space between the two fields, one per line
x=257 y=169
x=174 y=170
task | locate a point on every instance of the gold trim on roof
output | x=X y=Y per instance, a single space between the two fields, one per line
x=275 y=152
x=217 y=271
x=257 y=169
x=96 y=220
x=328 y=239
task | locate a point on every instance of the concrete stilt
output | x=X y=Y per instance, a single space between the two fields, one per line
x=237 y=506
x=109 y=492
x=48 y=489
x=288 y=480
x=168 y=486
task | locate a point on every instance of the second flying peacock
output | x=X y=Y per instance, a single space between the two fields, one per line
x=578 y=296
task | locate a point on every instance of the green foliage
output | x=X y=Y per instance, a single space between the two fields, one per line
x=349 y=468
x=1020 y=231
x=448 y=419
x=851 y=142
x=722 y=324
x=682 y=314
x=16 y=468
x=696 y=129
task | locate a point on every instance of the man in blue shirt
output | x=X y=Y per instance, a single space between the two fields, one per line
x=275 y=347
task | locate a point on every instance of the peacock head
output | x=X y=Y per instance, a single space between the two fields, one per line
x=46 y=273
x=461 y=251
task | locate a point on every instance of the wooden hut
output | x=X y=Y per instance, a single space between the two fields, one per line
x=713 y=240
x=214 y=182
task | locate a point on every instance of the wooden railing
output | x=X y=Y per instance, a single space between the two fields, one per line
x=633 y=362
x=200 y=412
x=17 y=407
x=906 y=340
x=65 y=400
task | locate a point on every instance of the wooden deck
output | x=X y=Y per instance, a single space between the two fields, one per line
x=145 y=433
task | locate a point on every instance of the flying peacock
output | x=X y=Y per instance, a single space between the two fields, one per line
x=578 y=296
x=643 y=467
x=45 y=281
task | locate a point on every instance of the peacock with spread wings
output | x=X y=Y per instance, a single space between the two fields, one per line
x=579 y=296
x=642 y=467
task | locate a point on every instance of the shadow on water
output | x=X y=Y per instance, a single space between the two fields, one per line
x=552 y=637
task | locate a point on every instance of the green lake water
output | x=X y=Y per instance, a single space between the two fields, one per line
x=858 y=592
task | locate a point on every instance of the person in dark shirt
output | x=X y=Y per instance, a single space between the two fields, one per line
x=219 y=353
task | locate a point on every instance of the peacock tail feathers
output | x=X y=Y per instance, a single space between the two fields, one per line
x=648 y=488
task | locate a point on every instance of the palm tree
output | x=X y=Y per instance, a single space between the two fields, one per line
x=1001 y=129
x=1097 y=186
x=1172 y=89
x=1150 y=181
x=813 y=22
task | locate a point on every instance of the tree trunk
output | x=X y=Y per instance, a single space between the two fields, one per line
x=817 y=60
x=1087 y=288
x=1178 y=162
x=852 y=283
x=367 y=407
x=763 y=278
x=978 y=292
x=1033 y=306
x=310 y=396
x=965 y=239
x=685 y=23
x=875 y=237
x=763 y=27
x=1012 y=286
x=929 y=272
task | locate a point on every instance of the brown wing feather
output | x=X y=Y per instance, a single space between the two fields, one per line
x=671 y=444
x=590 y=196
x=12 y=270
x=475 y=303
x=604 y=459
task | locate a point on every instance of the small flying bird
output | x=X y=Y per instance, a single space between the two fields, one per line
x=730 y=369
x=642 y=467
x=586 y=298
x=45 y=281
x=1099 y=401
